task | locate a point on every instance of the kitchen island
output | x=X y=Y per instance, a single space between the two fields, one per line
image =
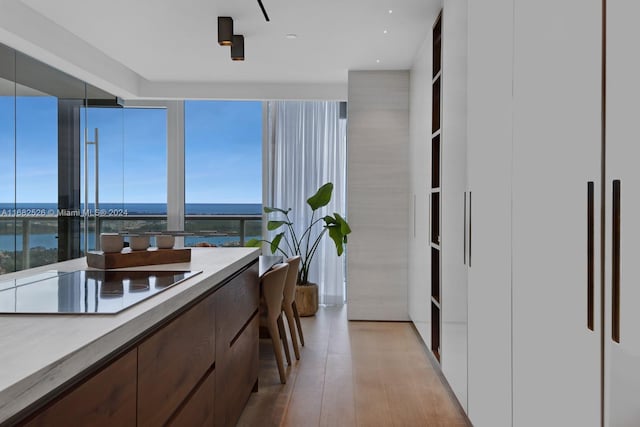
x=157 y=362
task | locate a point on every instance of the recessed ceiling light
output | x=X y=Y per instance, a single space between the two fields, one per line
x=390 y=11
x=385 y=31
x=291 y=36
x=377 y=61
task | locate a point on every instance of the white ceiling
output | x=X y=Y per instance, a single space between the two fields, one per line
x=176 y=40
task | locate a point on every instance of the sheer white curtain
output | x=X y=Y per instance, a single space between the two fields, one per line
x=306 y=147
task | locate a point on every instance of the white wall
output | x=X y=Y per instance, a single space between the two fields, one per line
x=420 y=165
x=378 y=195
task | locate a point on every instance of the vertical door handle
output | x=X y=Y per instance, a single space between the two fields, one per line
x=615 y=264
x=96 y=207
x=590 y=255
x=97 y=173
x=470 y=235
x=414 y=215
x=464 y=231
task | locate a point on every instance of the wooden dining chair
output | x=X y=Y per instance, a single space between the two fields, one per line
x=272 y=291
x=289 y=303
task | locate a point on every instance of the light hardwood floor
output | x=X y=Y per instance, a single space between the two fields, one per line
x=353 y=374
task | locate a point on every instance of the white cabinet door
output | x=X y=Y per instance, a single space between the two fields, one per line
x=622 y=352
x=453 y=345
x=490 y=53
x=556 y=152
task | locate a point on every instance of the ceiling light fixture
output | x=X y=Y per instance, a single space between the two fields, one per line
x=385 y=31
x=237 y=48
x=377 y=61
x=390 y=11
x=264 y=11
x=291 y=36
x=225 y=30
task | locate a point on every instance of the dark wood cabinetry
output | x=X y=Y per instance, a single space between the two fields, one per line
x=199 y=409
x=236 y=345
x=106 y=399
x=172 y=361
x=196 y=368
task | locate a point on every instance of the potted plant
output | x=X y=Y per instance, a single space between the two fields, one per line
x=289 y=244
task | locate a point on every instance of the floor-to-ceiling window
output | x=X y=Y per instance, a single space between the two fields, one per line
x=223 y=171
x=76 y=163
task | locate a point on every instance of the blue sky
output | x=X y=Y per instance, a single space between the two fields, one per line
x=35 y=152
x=223 y=154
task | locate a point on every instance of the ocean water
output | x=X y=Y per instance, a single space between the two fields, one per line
x=145 y=208
x=49 y=241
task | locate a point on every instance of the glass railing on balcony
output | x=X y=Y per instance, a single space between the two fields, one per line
x=217 y=230
x=199 y=230
x=27 y=242
x=32 y=241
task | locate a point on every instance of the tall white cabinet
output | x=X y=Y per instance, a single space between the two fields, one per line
x=453 y=153
x=489 y=136
x=556 y=154
x=553 y=319
x=622 y=217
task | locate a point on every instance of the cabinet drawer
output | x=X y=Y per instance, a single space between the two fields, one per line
x=106 y=399
x=199 y=409
x=235 y=381
x=236 y=345
x=173 y=360
x=236 y=303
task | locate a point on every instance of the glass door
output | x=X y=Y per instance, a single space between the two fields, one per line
x=102 y=166
x=124 y=170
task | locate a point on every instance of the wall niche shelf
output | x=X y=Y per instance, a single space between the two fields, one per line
x=435 y=191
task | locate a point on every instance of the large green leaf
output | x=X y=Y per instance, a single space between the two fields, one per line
x=344 y=227
x=329 y=219
x=336 y=236
x=268 y=209
x=322 y=197
x=276 y=242
x=253 y=243
x=274 y=225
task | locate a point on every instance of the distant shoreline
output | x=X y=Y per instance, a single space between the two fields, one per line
x=138 y=208
x=43 y=228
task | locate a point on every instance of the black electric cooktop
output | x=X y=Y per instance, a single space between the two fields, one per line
x=84 y=291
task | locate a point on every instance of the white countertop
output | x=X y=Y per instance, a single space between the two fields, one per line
x=38 y=353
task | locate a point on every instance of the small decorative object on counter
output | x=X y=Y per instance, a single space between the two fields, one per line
x=165 y=241
x=111 y=242
x=139 y=243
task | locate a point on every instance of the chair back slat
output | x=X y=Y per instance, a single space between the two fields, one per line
x=292 y=278
x=273 y=288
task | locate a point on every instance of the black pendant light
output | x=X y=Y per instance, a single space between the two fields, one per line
x=225 y=30
x=237 y=48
